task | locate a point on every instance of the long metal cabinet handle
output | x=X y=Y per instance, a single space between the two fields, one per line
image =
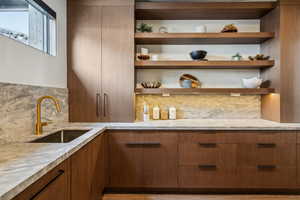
x=98 y=105
x=266 y=145
x=59 y=174
x=266 y=167
x=104 y=104
x=208 y=167
x=144 y=144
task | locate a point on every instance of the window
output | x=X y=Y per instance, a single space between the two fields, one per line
x=31 y=22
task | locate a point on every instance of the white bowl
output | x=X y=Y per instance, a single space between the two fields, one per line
x=252 y=82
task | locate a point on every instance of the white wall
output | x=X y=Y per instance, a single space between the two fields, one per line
x=25 y=65
x=209 y=78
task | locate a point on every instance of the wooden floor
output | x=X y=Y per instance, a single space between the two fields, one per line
x=198 y=197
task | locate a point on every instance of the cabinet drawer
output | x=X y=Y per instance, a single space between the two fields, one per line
x=252 y=155
x=267 y=177
x=201 y=176
x=266 y=137
x=207 y=137
x=223 y=155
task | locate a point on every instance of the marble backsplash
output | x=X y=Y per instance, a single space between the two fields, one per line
x=18 y=109
x=204 y=106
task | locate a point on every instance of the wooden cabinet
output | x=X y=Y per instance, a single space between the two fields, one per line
x=118 y=63
x=143 y=159
x=54 y=185
x=84 y=62
x=101 y=60
x=88 y=167
x=205 y=161
x=267 y=160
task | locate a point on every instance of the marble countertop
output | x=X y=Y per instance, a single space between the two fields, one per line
x=22 y=163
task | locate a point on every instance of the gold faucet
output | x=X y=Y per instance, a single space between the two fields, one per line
x=39 y=124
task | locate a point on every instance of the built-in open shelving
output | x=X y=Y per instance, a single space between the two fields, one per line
x=203 y=38
x=204 y=64
x=202 y=10
x=247 y=91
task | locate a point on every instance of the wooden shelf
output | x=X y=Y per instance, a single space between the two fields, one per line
x=204 y=64
x=259 y=91
x=202 y=10
x=203 y=38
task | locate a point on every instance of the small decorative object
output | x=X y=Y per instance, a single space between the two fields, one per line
x=195 y=82
x=198 y=55
x=164 y=114
x=155 y=57
x=143 y=57
x=237 y=57
x=252 y=82
x=144 y=28
x=163 y=29
x=201 y=29
x=187 y=83
x=259 y=57
x=156 y=113
x=144 y=51
x=146 y=115
x=231 y=28
x=153 y=84
x=172 y=113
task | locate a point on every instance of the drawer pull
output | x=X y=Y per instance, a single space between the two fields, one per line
x=143 y=144
x=59 y=174
x=266 y=167
x=266 y=145
x=208 y=145
x=208 y=167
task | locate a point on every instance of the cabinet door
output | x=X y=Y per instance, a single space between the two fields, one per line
x=54 y=185
x=160 y=160
x=84 y=62
x=118 y=63
x=87 y=166
x=143 y=160
x=126 y=163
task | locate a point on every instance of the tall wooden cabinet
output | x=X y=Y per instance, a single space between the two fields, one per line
x=101 y=60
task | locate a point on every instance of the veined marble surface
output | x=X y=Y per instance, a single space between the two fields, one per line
x=17 y=110
x=21 y=163
x=204 y=106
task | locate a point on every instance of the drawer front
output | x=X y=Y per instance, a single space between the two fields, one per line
x=222 y=155
x=250 y=137
x=206 y=177
x=207 y=137
x=279 y=155
x=267 y=177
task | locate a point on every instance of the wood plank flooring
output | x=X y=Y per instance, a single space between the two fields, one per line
x=198 y=197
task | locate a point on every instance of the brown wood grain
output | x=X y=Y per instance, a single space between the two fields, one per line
x=88 y=167
x=203 y=38
x=118 y=63
x=202 y=10
x=84 y=61
x=203 y=64
x=143 y=166
x=50 y=186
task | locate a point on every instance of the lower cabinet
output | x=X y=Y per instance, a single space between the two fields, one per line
x=54 y=185
x=88 y=167
x=204 y=159
x=145 y=159
x=81 y=177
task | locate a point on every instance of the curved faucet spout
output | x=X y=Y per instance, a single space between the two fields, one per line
x=39 y=124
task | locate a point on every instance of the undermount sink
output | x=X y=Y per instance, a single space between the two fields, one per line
x=62 y=136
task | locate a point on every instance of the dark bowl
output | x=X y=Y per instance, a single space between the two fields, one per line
x=198 y=55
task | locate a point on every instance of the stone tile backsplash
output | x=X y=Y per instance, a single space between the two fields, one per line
x=204 y=106
x=18 y=109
